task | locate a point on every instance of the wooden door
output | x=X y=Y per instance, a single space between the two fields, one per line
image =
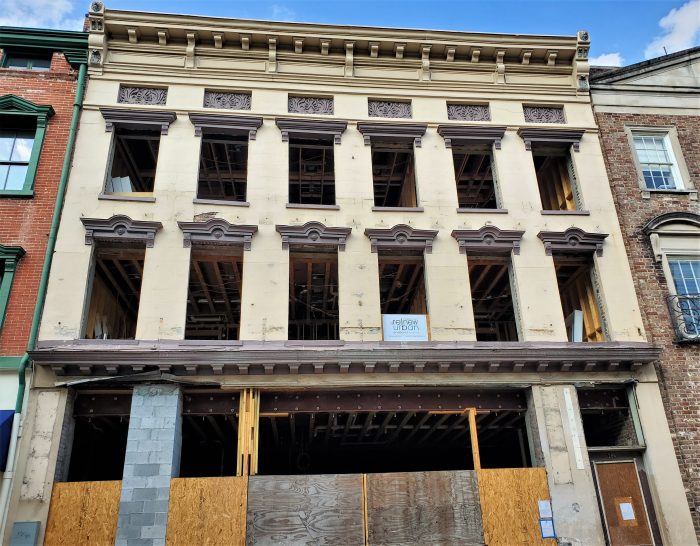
x=625 y=514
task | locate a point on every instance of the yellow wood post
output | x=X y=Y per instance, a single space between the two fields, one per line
x=475 y=439
x=248 y=418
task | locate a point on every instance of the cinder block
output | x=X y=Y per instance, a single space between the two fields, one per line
x=158 y=506
x=146 y=469
x=131 y=507
x=144 y=494
x=142 y=520
x=153 y=531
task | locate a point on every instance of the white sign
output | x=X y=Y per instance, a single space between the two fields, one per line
x=405 y=327
x=545 y=507
x=627 y=511
x=547 y=528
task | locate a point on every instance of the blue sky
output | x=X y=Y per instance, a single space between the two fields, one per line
x=622 y=31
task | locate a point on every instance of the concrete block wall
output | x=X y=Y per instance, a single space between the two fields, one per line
x=152 y=459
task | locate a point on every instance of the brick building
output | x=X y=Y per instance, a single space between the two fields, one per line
x=649 y=119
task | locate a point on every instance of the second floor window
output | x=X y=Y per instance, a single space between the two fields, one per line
x=223 y=167
x=656 y=160
x=476 y=187
x=134 y=161
x=394 y=175
x=15 y=153
x=556 y=178
x=311 y=171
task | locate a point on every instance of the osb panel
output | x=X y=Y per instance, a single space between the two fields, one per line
x=83 y=513
x=424 y=508
x=207 y=511
x=509 y=505
x=318 y=510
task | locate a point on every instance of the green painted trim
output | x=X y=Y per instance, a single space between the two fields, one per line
x=71 y=43
x=17 y=193
x=10 y=362
x=10 y=255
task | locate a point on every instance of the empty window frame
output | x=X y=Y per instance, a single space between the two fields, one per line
x=132 y=169
x=476 y=186
x=311 y=171
x=579 y=299
x=492 y=299
x=609 y=420
x=402 y=284
x=114 y=293
x=393 y=174
x=656 y=160
x=313 y=295
x=223 y=167
x=556 y=178
x=214 y=294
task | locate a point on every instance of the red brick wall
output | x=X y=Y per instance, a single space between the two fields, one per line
x=679 y=368
x=26 y=222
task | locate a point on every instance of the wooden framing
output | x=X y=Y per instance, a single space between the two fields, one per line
x=248 y=419
x=574 y=277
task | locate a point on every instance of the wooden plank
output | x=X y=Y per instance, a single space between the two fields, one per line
x=424 y=508
x=474 y=439
x=509 y=506
x=316 y=510
x=207 y=511
x=83 y=513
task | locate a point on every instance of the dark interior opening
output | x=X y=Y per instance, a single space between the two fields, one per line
x=402 y=284
x=555 y=177
x=214 y=294
x=492 y=300
x=578 y=297
x=28 y=59
x=311 y=171
x=223 y=167
x=474 y=175
x=115 y=292
x=313 y=295
x=209 y=445
x=99 y=448
x=134 y=160
x=607 y=418
x=393 y=174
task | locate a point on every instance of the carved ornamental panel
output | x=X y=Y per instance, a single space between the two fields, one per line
x=468 y=112
x=544 y=114
x=229 y=101
x=389 y=109
x=310 y=105
x=142 y=95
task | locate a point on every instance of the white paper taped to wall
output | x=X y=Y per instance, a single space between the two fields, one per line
x=545 y=507
x=627 y=511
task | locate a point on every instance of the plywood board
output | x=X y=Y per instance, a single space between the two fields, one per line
x=509 y=505
x=207 y=511
x=83 y=513
x=424 y=508
x=318 y=510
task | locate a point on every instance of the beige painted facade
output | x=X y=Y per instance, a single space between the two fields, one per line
x=153 y=50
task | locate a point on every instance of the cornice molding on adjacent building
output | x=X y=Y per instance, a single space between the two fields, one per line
x=123 y=357
x=649 y=66
x=311 y=128
x=401 y=237
x=120 y=228
x=662 y=220
x=137 y=118
x=228 y=123
x=572 y=241
x=470 y=134
x=313 y=234
x=216 y=231
x=374 y=130
x=550 y=135
x=72 y=44
x=488 y=240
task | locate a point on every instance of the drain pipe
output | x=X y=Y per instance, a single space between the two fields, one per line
x=16 y=434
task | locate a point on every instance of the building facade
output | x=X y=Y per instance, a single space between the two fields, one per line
x=649 y=116
x=305 y=268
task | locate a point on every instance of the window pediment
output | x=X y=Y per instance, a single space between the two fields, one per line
x=216 y=231
x=401 y=237
x=313 y=234
x=466 y=134
x=488 y=240
x=247 y=125
x=310 y=128
x=572 y=241
x=137 y=118
x=120 y=228
x=550 y=136
x=388 y=131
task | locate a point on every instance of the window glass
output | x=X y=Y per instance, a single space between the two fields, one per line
x=686 y=279
x=656 y=160
x=15 y=152
x=28 y=61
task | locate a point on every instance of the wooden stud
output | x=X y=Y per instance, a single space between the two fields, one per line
x=475 y=440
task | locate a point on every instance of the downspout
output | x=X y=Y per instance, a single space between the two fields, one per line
x=16 y=433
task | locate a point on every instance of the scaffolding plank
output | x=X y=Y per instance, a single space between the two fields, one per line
x=509 y=505
x=314 y=510
x=424 y=508
x=83 y=513
x=207 y=511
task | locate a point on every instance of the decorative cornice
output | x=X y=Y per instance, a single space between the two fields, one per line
x=11 y=254
x=313 y=234
x=544 y=114
x=572 y=241
x=120 y=228
x=247 y=125
x=550 y=136
x=216 y=231
x=671 y=218
x=72 y=44
x=311 y=128
x=137 y=118
x=388 y=131
x=401 y=237
x=468 y=112
x=488 y=240
x=389 y=109
x=256 y=359
x=468 y=134
x=228 y=100
x=129 y=94
x=310 y=105
x=12 y=104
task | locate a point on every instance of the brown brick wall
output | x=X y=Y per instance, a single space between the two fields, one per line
x=26 y=221
x=679 y=368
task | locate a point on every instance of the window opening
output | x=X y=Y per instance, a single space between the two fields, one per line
x=555 y=177
x=115 y=293
x=214 y=294
x=686 y=280
x=578 y=297
x=134 y=160
x=492 y=300
x=28 y=61
x=313 y=295
x=402 y=284
x=475 y=179
x=223 y=167
x=311 y=171
x=607 y=418
x=657 y=162
x=15 y=153
x=393 y=174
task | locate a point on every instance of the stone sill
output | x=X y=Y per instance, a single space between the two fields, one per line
x=482 y=211
x=692 y=194
x=223 y=202
x=312 y=206
x=565 y=213
x=138 y=198
x=397 y=209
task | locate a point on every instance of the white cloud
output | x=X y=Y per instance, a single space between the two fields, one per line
x=681 y=28
x=607 y=59
x=283 y=13
x=41 y=14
